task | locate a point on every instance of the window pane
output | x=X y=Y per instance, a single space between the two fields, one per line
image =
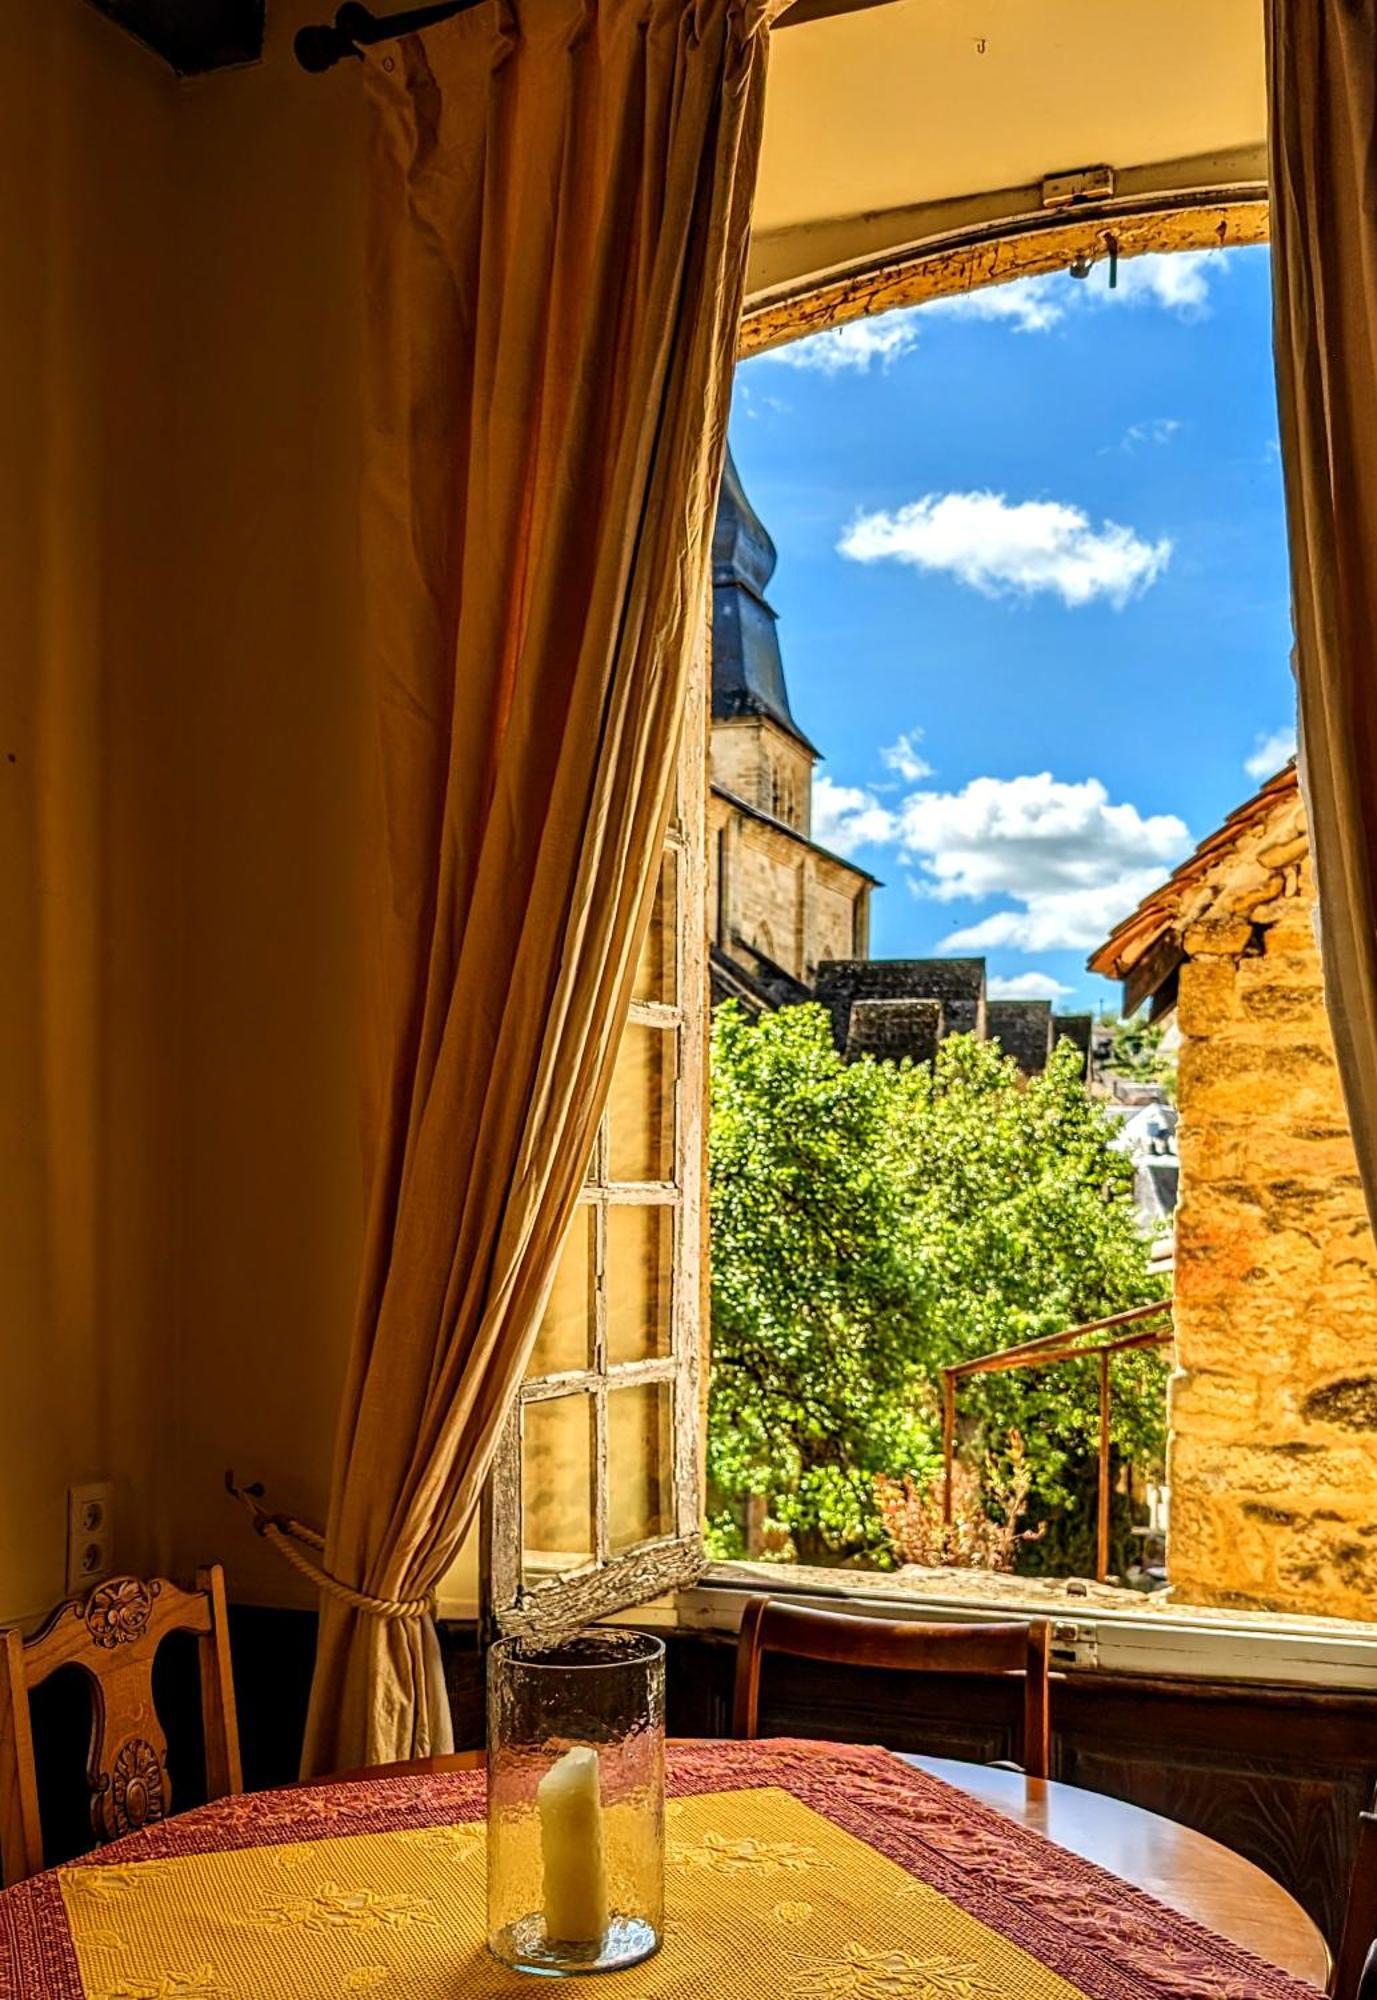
x=640 y=1264
x=655 y=974
x=640 y=1463
x=640 y=1120
x=556 y=1485
x=565 y=1337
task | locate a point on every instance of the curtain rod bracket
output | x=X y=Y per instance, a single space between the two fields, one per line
x=356 y=28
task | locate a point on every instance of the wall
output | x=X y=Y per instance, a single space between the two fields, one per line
x=181 y=774
x=1273 y=1473
x=782 y=895
x=89 y=994
x=273 y=736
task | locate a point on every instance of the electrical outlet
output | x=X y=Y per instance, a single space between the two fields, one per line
x=90 y=1535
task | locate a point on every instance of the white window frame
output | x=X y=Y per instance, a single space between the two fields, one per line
x=614 y=1581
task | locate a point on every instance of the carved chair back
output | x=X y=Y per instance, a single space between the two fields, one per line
x=1354 y=1962
x=113 y=1635
x=770 y=1626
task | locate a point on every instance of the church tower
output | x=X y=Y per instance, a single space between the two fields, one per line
x=781 y=903
x=759 y=753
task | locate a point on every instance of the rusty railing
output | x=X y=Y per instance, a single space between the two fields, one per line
x=1046 y=1352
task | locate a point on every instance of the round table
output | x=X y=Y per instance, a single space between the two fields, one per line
x=1174 y=1863
x=1182 y=1868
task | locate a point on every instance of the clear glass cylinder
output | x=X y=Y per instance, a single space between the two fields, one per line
x=576 y=1802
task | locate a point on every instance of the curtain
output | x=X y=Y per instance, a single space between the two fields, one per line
x=560 y=203
x=1322 y=80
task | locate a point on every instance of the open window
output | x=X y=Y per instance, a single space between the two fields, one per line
x=596 y=1496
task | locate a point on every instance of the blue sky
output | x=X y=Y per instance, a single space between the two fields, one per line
x=1032 y=594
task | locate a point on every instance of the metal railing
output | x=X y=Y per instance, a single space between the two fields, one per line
x=1047 y=1352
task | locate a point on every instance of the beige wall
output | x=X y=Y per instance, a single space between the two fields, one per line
x=273 y=730
x=180 y=771
x=781 y=895
x=769 y=770
x=1273 y=1472
x=89 y=1021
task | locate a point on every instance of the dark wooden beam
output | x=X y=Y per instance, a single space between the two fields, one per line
x=1156 y=966
x=192 y=35
x=823 y=10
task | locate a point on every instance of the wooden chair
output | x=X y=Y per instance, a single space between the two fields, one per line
x=1354 y=1976
x=112 y=1634
x=771 y=1626
x=1367 y=1985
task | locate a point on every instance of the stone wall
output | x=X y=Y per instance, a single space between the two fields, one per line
x=758 y=762
x=1273 y=1462
x=774 y=891
x=1023 y=1029
x=957 y=983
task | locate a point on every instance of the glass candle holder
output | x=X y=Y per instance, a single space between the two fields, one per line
x=576 y=1802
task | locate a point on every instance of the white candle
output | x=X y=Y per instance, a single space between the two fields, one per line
x=570 y=1805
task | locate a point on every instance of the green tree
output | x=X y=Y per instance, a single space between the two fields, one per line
x=872 y=1222
x=1136 y=1051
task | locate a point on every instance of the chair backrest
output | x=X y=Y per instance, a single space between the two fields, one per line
x=113 y=1634
x=1367 y=1985
x=1360 y=1916
x=772 y=1626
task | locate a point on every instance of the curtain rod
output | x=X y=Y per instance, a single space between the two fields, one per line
x=355 y=28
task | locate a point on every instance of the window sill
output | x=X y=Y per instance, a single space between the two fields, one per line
x=1099 y=1633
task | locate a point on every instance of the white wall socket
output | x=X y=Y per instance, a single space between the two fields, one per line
x=90 y=1535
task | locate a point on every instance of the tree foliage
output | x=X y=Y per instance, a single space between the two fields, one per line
x=1137 y=1052
x=872 y=1222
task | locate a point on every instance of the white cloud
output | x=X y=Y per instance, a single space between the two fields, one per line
x=1072 y=861
x=1059 y=920
x=999 y=547
x=1177 y=282
x=1032 y=304
x=1156 y=430
x=1027 y=986
x=846 y=817
x=851 y=349
x=903 y=756
x=1031 y=836
x=1270 y=753
x=1069 y=860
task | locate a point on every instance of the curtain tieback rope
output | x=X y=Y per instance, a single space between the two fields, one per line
x=291 y=1538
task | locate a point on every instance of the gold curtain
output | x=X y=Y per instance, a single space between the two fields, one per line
x=1322 y=81
x=560 y=205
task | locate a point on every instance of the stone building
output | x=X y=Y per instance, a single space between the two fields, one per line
x=790 y=920
x=1273 y=1456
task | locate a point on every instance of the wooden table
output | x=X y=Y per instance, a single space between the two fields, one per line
x=1175 y=1864
x=1180 y=1867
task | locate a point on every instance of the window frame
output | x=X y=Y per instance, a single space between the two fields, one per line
x=616 y=1580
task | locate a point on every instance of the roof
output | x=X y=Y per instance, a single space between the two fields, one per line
x=1144 y=949
x=741 y=805
x=747 y=666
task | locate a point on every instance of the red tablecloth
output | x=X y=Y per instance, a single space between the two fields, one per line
x=889 y=1886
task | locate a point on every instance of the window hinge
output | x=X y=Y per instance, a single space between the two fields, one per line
x=1082 y=184
x=1074 y=1645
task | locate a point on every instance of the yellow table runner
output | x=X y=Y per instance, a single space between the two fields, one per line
x=765 y=1896
x=796 y=1872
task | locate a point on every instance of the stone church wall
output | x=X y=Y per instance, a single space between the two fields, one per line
x=1273 y=1461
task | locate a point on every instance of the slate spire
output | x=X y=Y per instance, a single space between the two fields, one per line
x=747 y=669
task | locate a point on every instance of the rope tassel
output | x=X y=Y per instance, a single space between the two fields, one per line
x=291 y=1538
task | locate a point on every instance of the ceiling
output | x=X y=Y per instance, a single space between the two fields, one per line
x=887 y=126
x=916 y=121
